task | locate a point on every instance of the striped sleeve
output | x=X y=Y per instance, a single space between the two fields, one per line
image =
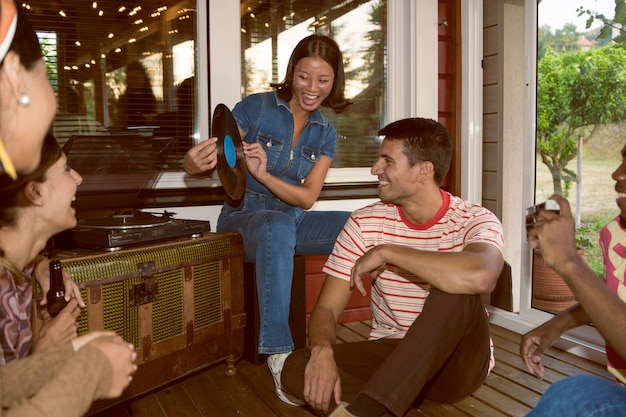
x=349 y=247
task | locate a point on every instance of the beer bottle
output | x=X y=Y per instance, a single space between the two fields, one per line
x=56 y=293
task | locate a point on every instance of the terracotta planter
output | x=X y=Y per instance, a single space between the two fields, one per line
x=550 y=293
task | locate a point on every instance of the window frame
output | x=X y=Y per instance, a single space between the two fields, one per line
x=413 y=18
x=584 y=341
x=225 y=83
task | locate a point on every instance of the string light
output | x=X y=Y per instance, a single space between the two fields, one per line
x=183 y=14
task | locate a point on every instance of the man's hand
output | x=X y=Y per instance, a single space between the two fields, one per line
x=555 y=235
x=201 y=159
x=372 y=263
x=534 y=344
x=321 y=380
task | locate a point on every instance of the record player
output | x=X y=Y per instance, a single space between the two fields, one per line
x=130 y=228
x=116 y=170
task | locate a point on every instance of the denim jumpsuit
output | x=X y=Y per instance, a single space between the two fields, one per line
x=273 y=231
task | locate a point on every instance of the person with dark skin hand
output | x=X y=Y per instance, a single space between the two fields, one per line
x=601 y=301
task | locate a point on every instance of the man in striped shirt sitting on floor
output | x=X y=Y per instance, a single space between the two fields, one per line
x=430 y=255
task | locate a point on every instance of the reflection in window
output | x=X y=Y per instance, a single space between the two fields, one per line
x=121 y=68
x=270 y=32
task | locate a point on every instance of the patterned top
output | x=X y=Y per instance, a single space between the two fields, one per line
x=397 y=297
x=613 y=243
x=15 y=315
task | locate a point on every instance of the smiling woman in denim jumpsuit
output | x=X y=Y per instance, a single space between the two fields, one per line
x=289 y=146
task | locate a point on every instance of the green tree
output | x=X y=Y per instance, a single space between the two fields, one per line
x=566 y=38
x=357 y=127
x=615 y=28
x=561 y=40
x=576 y=93
x=48 y=43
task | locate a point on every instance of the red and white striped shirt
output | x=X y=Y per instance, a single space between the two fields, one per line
x=397 y=297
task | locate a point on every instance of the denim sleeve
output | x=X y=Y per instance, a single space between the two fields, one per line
x=247 y=112
x=330 y=141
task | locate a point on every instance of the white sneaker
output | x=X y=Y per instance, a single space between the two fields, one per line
x=275 y=363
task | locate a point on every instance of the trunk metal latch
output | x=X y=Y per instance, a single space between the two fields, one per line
x=147 y=291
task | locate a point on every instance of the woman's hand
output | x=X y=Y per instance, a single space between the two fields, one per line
x=72 y=291
x=201 y=160
x=59 y=329
x=256 y=160
x=120 y=354
x=42 y=274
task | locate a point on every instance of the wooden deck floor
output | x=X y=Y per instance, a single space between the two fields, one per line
x=509 y=391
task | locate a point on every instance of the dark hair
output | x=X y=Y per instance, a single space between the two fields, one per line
x=11 y=190
x=424 y=140
x=327 y=49
x=25 y=42
x=138 y=68
x=185 y=95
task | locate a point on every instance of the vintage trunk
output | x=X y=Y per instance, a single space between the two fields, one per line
x=180 y=303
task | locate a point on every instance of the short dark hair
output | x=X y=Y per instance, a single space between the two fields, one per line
x=424 y=140
x=327 y=49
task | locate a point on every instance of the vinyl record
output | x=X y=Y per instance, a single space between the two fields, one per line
x=231 y=165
